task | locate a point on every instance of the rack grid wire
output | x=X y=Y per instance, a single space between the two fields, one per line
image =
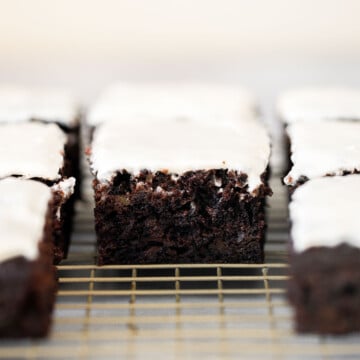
x=177 y=311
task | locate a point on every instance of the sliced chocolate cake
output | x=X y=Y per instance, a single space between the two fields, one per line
x=177 y=191
x=20 y=104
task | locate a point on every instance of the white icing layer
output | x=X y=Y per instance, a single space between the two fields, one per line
x=325 y=212
x=179 y=147
x=66 y=186
x=320 y=149
x=190 y=101
x=31 y=150
x=319 y=103
x=19 y=104
x=23 y=209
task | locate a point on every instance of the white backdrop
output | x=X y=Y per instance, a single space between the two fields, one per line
x=267 y=45
x=87 y=43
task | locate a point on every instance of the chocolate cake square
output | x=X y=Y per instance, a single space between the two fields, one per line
x=322 y=149
x=20 y=104
x=325 y=255
x=316 y=142
x=27 y=276
x=172 y=191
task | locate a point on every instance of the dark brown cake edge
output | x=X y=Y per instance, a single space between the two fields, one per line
x=324 y=289
x=145 y=237
x=63 y=226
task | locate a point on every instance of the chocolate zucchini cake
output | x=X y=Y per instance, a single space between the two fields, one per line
x=37 y=151
x=180 y=192
x=325 y=257
x=314 y=104
x=27 y=276
x=48 y=105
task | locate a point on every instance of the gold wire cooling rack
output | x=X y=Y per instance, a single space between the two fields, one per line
x=177 y=311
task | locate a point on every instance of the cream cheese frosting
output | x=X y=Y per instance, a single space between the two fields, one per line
x=19 y=104
x=325 y=212
x=31 y=150
x=181 y=146
x=319 y=103
x=66 y=186
x=187 y=101
x=23 y=209
x=319 y=149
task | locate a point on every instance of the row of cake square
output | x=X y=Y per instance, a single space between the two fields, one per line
x=187 y=182
x=323 y=131
x=38 y=162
